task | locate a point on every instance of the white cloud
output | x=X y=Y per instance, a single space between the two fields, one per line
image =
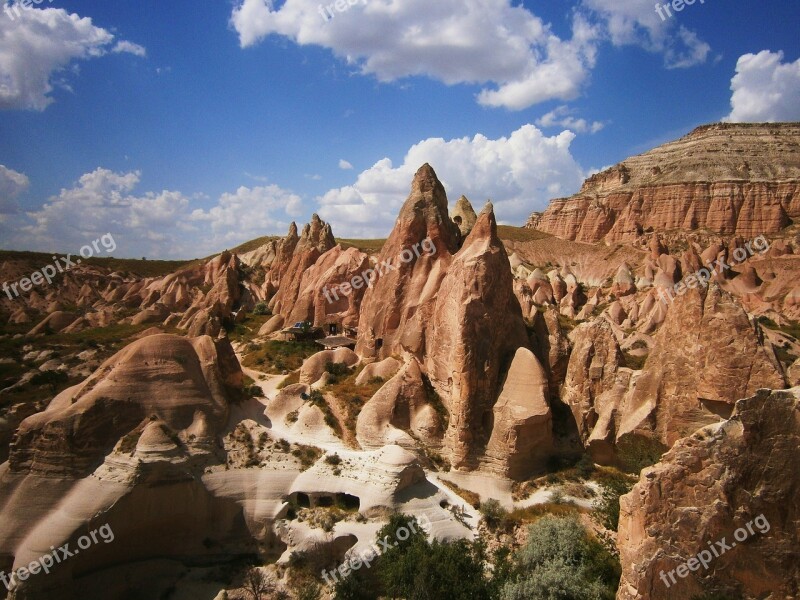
x=12 y=184
x=765 y=89
x=157 y=224
x=520 y=173
x=492 y=43
x=345 y=165
x=562 y=116
x=130 y=48
x=636 y=22
x=38 y=45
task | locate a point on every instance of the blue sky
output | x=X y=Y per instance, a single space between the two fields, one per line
x=187 y=127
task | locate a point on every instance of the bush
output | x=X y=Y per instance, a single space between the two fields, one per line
x=494 y=514
x=415 y=569
x=562 y=560
x=606 y=508
x=585 y=467
x=337 y=371
x=261 y=309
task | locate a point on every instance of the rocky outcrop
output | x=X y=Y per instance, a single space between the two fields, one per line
x=719 y=513
x=315 y=240
x=400 y=413
x=396 y=311
x=464 y=216
x=731 y=179
x=522 y=433
x=314 y=367
x=475 y=329
x=174 y=379
x=706 y=354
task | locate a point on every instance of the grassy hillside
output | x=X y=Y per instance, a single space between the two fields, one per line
x=142 y=268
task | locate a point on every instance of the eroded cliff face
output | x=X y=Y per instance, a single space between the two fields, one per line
x=729 y=494
x=396 y=311
x=705 y=356
x=729 y=179
x=183 y=382
x=476 y=328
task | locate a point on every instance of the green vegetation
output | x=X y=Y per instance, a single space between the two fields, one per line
x=416 y=569
x=254 y=244
x=318 y=399
x=366 y=246
x=261 y=309
x=561 y=560
x=352 y=396
x=307 y=455
x=142 y=268
x=635 y=453
x=471 y=497
x=633 y=361
x=337 y=371
x=291 y=379
x=606 y=508
x=277 y=356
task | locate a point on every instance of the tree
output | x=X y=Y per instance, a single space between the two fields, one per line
x=257 y=584
x=415 y=569
x=309 y=591
x=562 y=560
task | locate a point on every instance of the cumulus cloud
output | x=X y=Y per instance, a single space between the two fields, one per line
x=12 y=184
x=160 y=224
x=635 y=22
x=563 y=116
x=41 y=43
x=345 y=165
x=124 y=46
x=506 y=48
x=520 y=173
x=765 y=89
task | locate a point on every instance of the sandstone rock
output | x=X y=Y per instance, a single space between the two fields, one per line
x=385 y=369
x=163 y=375
x=522 y=436
x=475 y=330
x=400 y=412
x=54 y=322
x=464 y=216
x=699 y=184
x=314 y=367
x=705 y=490
x=396 y=312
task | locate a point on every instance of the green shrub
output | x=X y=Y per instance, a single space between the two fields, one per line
x=494 y=514
x=261 y=309
x=606 y=507
x=562 y=560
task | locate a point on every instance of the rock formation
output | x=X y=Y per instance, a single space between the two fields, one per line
x=464 y=216
x=731 y=179
x=397 y=310
x=475 y=329
x=719 y=513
